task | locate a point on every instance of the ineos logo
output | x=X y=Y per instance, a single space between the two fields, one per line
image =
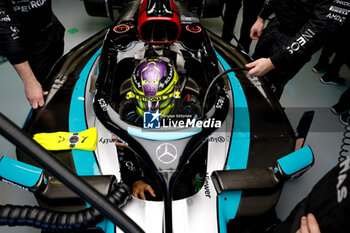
x=166 y=153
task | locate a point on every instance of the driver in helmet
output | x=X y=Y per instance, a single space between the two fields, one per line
x=155 y=87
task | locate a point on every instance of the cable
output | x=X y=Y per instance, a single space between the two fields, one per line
x=219 y=76
x=344 y=148
x=55 y=221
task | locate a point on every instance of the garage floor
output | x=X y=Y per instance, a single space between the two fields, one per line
x=304 y=92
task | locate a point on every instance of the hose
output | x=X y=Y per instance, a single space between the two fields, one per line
x=344 y=148
x=54 y=221
x=236 y=69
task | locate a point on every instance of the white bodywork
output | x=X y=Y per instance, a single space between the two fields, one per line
x=197 y=213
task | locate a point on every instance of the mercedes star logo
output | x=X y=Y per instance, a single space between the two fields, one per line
x=166 y=153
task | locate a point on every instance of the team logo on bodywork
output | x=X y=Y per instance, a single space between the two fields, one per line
x=166 y=153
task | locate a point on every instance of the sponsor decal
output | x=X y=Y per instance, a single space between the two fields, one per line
x=34 y=4
x=339 y=10
x=338 y=13
x=84 y=138
x=112 y=140
x=130 y=166
x=72 y=140
x=206 y=187
x=103 y=104
x=108 y=140
x=343 y=3
x=220 y=102
x=121 y=28
x=301 y=41
x=136 y=82
x=4 y=17
x=219 y=139
x=61 y=139
x=15 y=32
x=166 y=153
x=342 y=190
x=151 y=120
x=336 y=17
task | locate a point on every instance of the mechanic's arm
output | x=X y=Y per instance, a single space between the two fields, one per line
x=326 y=19
x=258 y=26
x=309 y=224
x=261 y=66
x=32 y=87
x=11 y=43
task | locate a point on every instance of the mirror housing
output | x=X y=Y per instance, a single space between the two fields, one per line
x=289 y=166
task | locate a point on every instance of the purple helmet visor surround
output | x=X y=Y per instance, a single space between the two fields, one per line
x=151 y=72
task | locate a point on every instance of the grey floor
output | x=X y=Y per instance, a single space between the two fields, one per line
x=304 y=92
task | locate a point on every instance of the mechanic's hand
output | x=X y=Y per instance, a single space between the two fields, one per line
x=257 y=28
x=260 y=67
x=139 y=188
x=309 y=224
x=34 y=93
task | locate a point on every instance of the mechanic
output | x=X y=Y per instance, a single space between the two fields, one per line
x=298 y=30
x=329 y=203
x=156 y=87
x=251 y=9
x=31 y=37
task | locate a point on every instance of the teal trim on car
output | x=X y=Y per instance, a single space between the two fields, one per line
x=163 y=136
x=19 y=173
x=296 y=161
x=85 y=161
x=228 y=201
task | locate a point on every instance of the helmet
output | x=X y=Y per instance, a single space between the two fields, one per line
x=155 y=85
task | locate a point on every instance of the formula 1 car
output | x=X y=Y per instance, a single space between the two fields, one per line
x=219 y=168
